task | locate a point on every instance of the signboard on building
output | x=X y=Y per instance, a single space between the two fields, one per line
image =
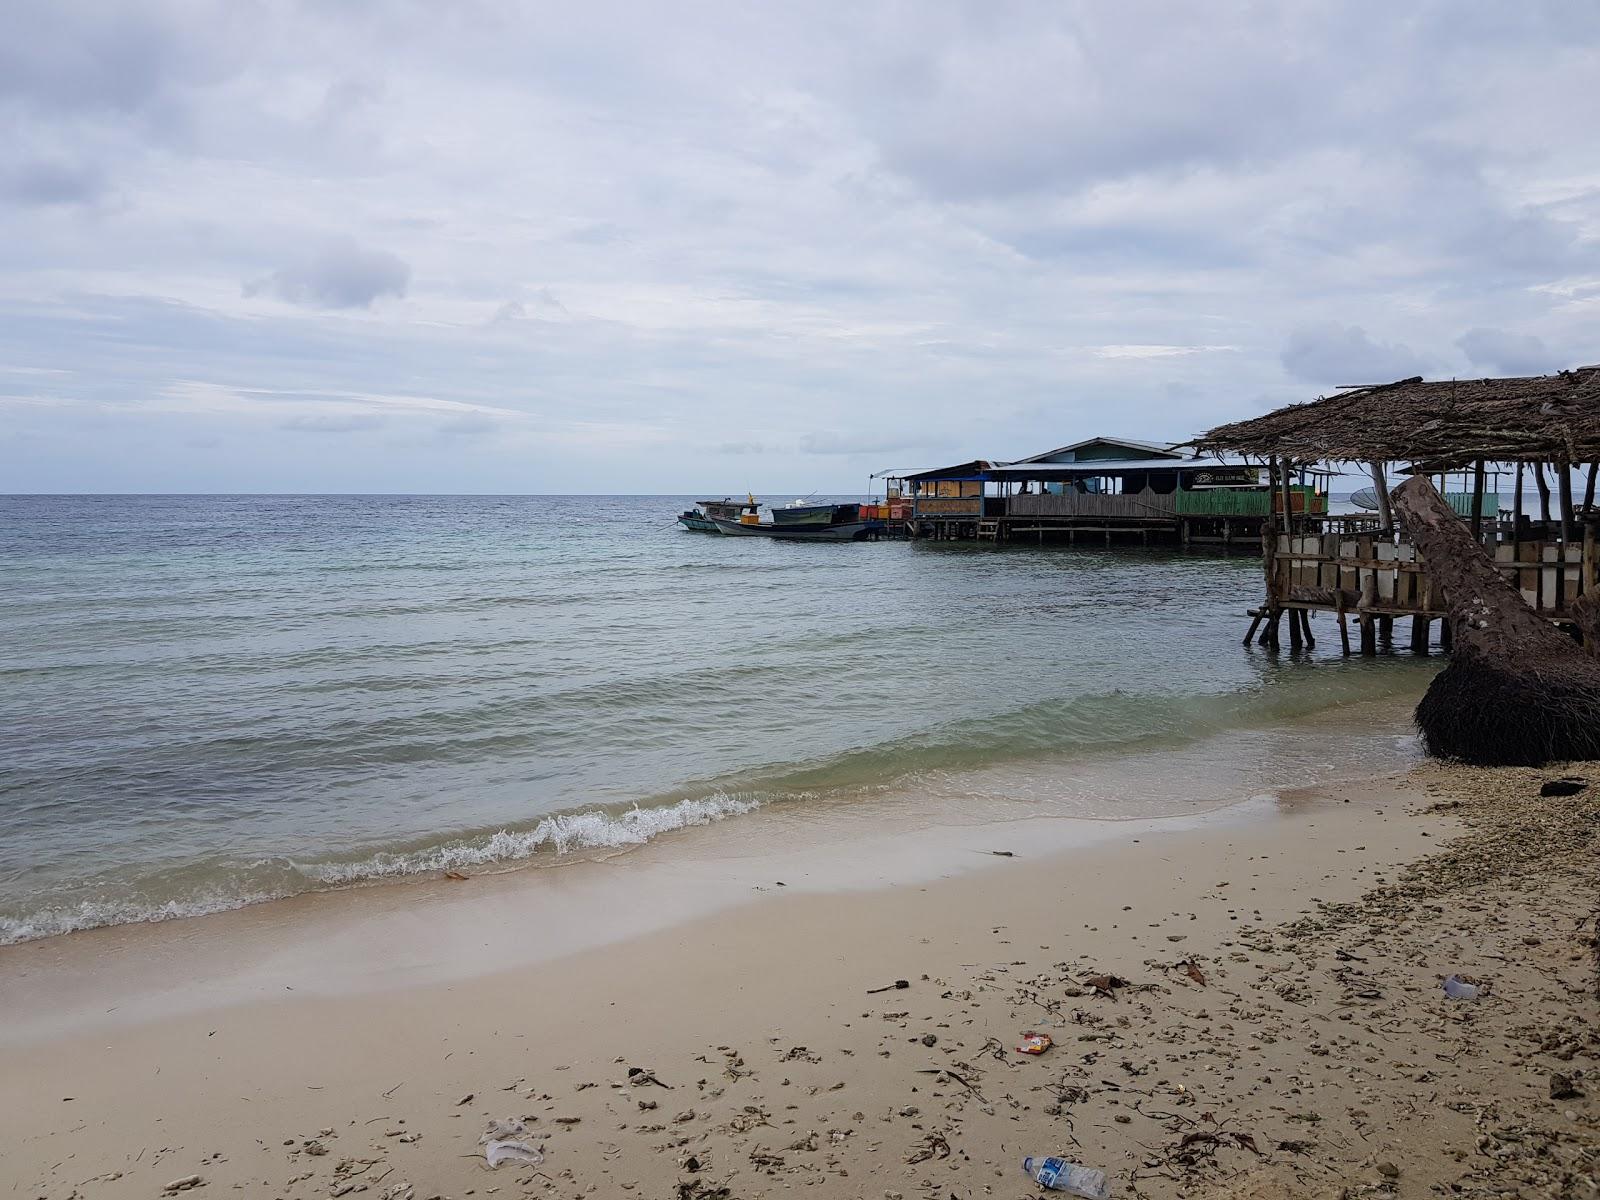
x=1213 y=477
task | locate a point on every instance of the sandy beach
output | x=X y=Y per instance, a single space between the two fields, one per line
x=1245 y=1003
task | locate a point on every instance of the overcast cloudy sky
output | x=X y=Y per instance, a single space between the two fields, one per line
x=642 y=247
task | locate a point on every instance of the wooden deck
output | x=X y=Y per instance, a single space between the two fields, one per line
x=1177 y=517
x=1378 y=578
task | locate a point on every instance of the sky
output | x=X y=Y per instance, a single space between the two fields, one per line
x=643 y=248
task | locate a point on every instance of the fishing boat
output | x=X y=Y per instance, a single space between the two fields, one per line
x=702 y=518
x=801 y=522
x=800 y=512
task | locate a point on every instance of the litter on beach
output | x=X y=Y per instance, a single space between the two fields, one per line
x=496 y=1153
x=1035 y=1043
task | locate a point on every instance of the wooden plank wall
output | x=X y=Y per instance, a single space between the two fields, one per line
x=1079 y=504
x=1354 y=571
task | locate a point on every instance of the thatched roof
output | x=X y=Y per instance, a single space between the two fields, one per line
x=1451 y=422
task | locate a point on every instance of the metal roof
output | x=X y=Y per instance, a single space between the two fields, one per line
x=1111 y=466
x=1153 y=447
x=978 y=468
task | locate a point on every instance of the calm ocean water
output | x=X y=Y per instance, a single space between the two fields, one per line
x=207 y=701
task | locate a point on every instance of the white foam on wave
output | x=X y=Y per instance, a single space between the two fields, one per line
x=95 y=913
x=562 y=834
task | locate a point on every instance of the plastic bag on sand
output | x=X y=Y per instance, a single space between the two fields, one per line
x=496 y=1153
x=506 y=1127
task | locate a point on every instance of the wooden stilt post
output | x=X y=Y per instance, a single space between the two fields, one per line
x=1369 y=631
x=1305 y=628
x=1544 y=492
x=1255 y=623
x=1386 y=630
x=1294 y=631
x=1419 y=635
x=1588 y=490
x=1591 y=558
x=1447 y=635
x=1344 y=630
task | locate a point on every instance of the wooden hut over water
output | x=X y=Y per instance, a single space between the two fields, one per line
x=1097 y=490
x=1544 y=429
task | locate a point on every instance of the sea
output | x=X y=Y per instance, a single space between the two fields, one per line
x=214 y=701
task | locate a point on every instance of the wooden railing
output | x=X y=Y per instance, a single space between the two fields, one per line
x=1370 y=572
x=1146 y=505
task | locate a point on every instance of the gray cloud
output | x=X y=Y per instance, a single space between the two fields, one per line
x=340 y=274
x=803 y=233
x=841 y=442
x=45 y=183
x=1503 y=353
x=469 y=425
x=1331 y=354
x=332 y=422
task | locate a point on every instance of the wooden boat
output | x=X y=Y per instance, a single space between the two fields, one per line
x=703 y=517
x=799 y=513
x=845 y=531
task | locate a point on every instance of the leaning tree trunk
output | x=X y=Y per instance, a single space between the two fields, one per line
x=1517 y=691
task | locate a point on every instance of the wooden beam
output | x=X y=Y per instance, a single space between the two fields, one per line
x=1477 y=501
x=1565 y=484
x=1381 y=486
x=1516 y=510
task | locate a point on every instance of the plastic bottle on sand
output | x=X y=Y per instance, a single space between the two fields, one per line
x=1059 y=1175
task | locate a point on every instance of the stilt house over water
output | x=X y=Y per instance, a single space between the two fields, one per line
x=1100 y=489
x=1544 y=429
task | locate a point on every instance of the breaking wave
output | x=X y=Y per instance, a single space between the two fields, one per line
x=275 y=879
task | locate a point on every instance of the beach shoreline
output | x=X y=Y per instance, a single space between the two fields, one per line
x=757 y=1016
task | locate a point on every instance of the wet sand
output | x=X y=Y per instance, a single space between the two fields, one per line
x=1245 y=1003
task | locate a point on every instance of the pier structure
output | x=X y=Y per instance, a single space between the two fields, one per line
x=1102 y=491
x=1543 y=430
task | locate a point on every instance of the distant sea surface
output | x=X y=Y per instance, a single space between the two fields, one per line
x=211 y=701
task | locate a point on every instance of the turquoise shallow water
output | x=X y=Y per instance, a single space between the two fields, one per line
x=206 y=701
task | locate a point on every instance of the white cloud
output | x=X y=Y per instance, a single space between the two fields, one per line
x=1330 y=354
x=338 y=274
x=1506 y=353
x=626 y=245
x=1158 y=351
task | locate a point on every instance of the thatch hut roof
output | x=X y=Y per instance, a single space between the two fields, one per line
x=1449 y=422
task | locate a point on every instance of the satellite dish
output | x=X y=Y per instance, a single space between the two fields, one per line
x=1366 y=498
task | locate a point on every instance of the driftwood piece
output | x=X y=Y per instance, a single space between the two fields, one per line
x=1517 y=691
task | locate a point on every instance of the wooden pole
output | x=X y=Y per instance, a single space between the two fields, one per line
x=1477 y=501
x=1591 y=558
x=1565 y=484
x=1254 y=625
x=1419 y=635
x=1516 y=510
x=1381 y=486
x=1588 y=490
x=1369 y=598
x=1544 y=492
